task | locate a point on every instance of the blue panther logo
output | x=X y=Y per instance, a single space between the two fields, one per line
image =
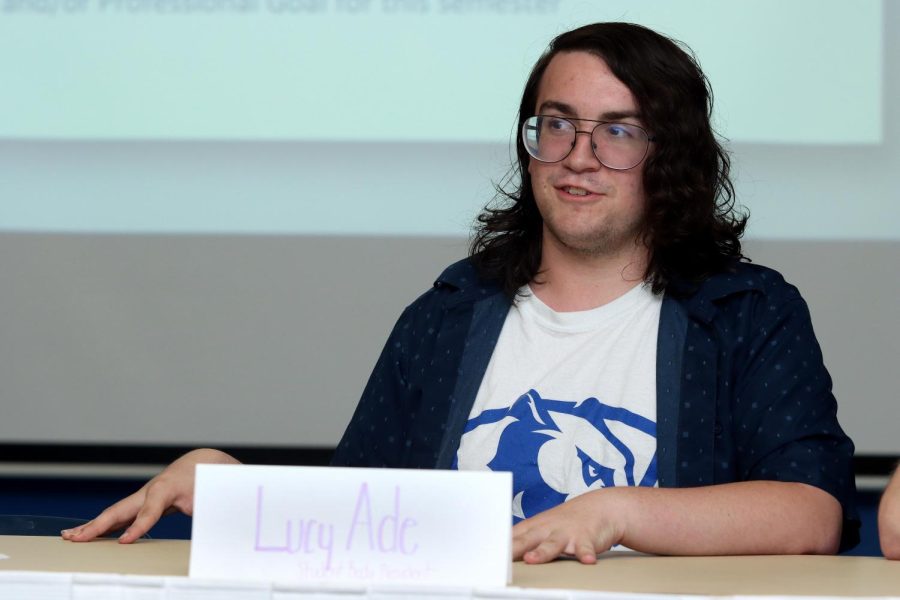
x=592 y=442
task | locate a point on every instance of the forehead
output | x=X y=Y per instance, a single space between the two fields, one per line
x=584 y=82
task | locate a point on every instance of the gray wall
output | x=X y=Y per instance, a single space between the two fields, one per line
x=269 y=340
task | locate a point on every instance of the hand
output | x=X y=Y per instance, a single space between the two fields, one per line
x=747 y=517
x=582 y=527
x=172 y=489
x=889 y=519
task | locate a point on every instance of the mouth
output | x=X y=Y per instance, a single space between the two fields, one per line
x=576 y=193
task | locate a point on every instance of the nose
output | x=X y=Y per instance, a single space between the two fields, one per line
x=582 y=157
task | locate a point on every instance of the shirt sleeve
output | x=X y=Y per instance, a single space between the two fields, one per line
x=376 y=434
x=785 y=413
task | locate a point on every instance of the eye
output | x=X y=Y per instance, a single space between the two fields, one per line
x=592 y=471
x=557 y=125
x=619 y=130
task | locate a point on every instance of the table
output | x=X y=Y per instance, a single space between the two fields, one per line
x=614 y=572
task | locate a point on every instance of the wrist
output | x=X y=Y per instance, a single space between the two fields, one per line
x=612 y=509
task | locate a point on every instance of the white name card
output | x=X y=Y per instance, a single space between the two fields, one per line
x=301 y=524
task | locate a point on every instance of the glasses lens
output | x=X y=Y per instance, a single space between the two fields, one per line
x=620 y=145
x=617 y=146
x=548 y=139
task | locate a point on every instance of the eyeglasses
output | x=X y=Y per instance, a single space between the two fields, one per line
x=618 y=146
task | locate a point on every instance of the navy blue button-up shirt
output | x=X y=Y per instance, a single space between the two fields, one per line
x=742 y=391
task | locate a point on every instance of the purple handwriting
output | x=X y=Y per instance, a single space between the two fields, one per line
x=384 y=533
x=303 y=541
x=391 y=532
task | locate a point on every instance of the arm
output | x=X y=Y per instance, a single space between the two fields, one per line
x=752 y=517
x=889 y=519
x=389 y=422
x=785 y=481
x=375 y=431
x=172 y=489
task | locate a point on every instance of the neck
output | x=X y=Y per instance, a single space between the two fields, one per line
x=570 y=280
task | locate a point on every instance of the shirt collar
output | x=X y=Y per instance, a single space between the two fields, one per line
x=699 y=299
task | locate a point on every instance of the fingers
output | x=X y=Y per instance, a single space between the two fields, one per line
x=538 y=547
x=549 y=549
x=535 y=547
x=155 y=504
x=140 y=512
x=585 y=552
x=116 y=516
x=536 y=544
x=574 y=529
x=524 y=541
x=90 y=530
x=171 y=489
x=142 y=524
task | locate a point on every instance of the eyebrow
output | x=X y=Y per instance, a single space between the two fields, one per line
x=568 y=111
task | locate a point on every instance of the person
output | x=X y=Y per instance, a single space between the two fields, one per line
x=889 y=518
x=606 y=340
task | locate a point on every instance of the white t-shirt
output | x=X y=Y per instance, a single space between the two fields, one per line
x=568 y=401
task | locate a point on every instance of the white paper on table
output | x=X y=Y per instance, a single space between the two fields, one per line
x=35 y=584
x=185 y=588
x=583 y=595
x=103 y=586
x=295 y=524
x=319 y=591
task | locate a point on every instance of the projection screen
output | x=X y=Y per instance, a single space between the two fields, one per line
x=212 y=211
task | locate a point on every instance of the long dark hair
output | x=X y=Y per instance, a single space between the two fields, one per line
x=691 y=227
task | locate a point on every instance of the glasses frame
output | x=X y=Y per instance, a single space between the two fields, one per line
x=590 y=133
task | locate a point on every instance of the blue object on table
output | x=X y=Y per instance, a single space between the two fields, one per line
x=41 y=525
